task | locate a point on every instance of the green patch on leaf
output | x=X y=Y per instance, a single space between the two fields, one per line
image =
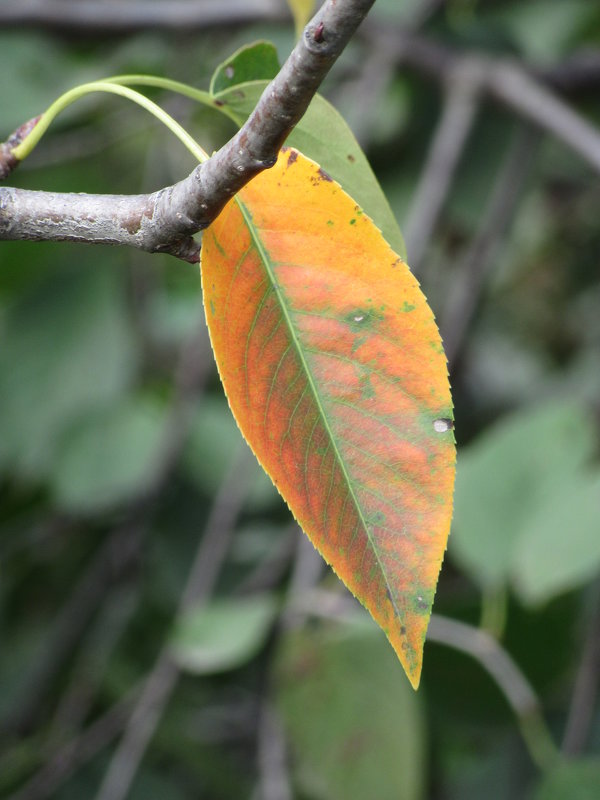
x=256 y=61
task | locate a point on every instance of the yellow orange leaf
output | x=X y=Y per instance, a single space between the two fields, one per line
x=334 y=370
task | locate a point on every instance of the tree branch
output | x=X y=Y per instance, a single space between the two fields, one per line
x=165 y=221
x=94 y=17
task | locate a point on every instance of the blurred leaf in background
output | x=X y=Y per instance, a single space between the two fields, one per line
x=355 y=729
x=223 y=634
x=511 y=484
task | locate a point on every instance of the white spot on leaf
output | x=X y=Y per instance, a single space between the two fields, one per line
x=442 y=425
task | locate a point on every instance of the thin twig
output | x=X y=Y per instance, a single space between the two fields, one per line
x=515 y=687
x=274 y=780
x=77 y=752
x=579 y=72
x=463 y=296
x=112 y=560
x=511 y=85
x=460 y=107
x=491 y=655
x=587 y=686
x=273 y=775
x=121 y=549
x=478 y=644
x=506 y=81
x=161 y=682
x=269 y=572
x=76 y=702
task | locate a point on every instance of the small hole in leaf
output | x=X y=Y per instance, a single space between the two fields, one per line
x=442 y=425
x=229 y=71
x=359 y=318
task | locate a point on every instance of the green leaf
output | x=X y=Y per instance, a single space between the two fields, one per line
x=66 y=350
x=356 y=729
x=560 y=547
x=575 y=780
x=252 y=62
x=223 y=634
x=110 y=457
x=212 y=445
x=321 y=126
x=508 y=475
x=25 y=91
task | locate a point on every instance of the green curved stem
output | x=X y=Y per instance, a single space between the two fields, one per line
x=28 y=144
x=169 y=85
x=494 y=611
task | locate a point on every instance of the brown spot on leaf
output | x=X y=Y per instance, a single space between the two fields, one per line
x=219 y=103
x=324 y=175
x=293 y=156
x=351 y=158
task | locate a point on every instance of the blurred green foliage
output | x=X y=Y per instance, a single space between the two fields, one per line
x=115 y=446
x=351 y=743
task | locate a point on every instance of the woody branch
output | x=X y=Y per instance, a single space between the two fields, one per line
x=166 y=220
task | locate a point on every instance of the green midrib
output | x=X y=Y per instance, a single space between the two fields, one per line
x=315 y=392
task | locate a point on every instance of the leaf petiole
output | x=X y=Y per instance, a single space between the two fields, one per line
x=156 y=82
x=29 y=143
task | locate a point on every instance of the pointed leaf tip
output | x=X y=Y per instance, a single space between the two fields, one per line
x=334 y=370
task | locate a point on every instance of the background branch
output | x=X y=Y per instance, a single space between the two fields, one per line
x=587 y=684
x=94 y=17
x=478 y=644
x=449 y=141
x=465 y=291
x=506 y=81
x=160 y=683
